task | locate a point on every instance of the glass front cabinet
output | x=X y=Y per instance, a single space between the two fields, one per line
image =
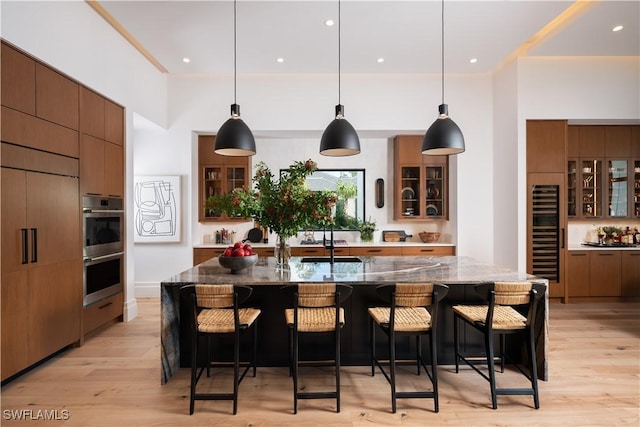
x=218 y=175
x=598 y=188
x=421 y=182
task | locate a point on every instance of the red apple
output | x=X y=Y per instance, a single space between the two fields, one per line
x=228 y=252
x=247 y=248
x=238 y=252
x=237 y=245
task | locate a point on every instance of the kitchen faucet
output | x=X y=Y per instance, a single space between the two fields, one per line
x=331 y=246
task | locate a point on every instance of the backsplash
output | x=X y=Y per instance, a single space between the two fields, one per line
x=579 y=232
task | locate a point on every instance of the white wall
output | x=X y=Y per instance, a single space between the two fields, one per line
x=71 y=37
x=505 y=190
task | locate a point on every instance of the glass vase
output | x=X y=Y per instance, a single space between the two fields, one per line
x=366 y=236
x=282 y=252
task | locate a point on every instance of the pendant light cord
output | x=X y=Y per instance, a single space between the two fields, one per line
x=235 y=59
x=442 y=51
x=339 y=51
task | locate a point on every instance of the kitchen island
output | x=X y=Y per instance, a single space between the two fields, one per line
x=459 y=273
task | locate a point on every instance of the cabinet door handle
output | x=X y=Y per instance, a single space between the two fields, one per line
x=371 y=251
x=25 y=245
x=634 y=254
x=426 y=250
x=105 y=305
x=34 y=245
x=605 y=254
x=563 y=238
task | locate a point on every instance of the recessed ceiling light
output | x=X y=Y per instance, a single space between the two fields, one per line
x=473 y=60
x=329 y=22
x=617 y=28
x=186 y=60
x=280 y=60
x=380 y=60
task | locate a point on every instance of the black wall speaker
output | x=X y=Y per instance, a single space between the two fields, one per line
x=379 y=193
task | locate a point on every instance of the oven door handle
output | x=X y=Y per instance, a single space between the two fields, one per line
x=103 y=211
x=103 y=257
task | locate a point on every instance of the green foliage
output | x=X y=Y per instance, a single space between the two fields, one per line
x=611 y=230
x=284 y=205
x=346 y=190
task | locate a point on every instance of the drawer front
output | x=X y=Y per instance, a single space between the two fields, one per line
x=375 y=251
x=102 y=312
x=264 y=252
x=428 y=250
x=201 y=255
x=307 y=251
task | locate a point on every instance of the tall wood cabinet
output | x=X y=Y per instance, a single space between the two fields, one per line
x=41 y=233
x=218 y=175
x=421 y=190
x=41 y=287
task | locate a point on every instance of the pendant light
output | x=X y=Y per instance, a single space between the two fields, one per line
x=339 y=138
x=234 y=138
x=444 y=137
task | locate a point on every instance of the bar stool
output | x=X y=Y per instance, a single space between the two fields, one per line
x=215 y=310
x=508 y=304
x=408 y=316
x=316 y=309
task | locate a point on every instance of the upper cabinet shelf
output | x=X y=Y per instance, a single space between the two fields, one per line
x=421 y=182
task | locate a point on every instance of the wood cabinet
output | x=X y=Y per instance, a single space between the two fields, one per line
x=319 y=251
x=102 y=312
x=375 y=250
x=218 y=175
x=41 y=266
x=578 y=274
x=101 y=145
x=421 y=189
x=201 y=255
x=57 y=97
x=546 y=146
x=601 y=172
x=42 y=175
x=428 y=250
x=18 y=80
x=603 y=274
x=630 y=286
x=606 y=274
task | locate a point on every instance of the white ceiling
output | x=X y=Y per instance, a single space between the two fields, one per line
x=407 y=34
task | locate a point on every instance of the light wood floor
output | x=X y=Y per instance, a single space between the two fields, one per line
x=114 y=380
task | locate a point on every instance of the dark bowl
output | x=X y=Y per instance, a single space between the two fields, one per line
x=237 y=263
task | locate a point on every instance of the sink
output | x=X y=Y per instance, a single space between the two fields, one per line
x=328 y=259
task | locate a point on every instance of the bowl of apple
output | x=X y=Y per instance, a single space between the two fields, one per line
x=238 y=257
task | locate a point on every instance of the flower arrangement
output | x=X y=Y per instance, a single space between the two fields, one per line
x=366 y=230
x=284 y=205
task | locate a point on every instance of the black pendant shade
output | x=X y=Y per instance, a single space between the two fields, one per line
x=234 y=138
x=339 y=138
x=444 y=137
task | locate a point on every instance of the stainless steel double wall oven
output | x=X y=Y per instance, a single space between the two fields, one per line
x=103 y=252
